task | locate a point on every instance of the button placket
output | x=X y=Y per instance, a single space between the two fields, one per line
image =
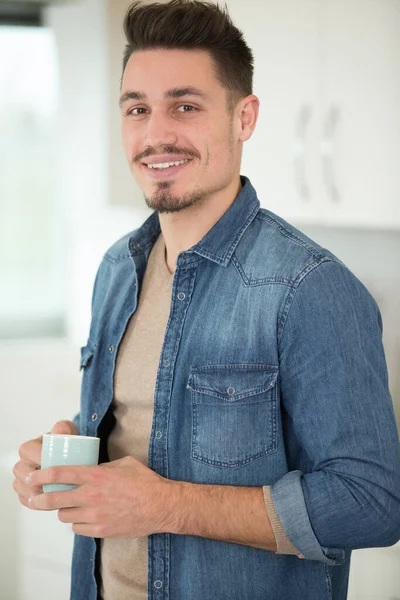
x=183 y=285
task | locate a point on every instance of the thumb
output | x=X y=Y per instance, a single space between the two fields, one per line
x=66 y=427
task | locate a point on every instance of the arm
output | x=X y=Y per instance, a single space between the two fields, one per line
x=220 y=512
x=343 y=489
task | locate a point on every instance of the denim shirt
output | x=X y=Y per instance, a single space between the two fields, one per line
x=272 y=372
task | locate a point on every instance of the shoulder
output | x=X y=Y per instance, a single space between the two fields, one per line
x=275 y=250
x=119 y=251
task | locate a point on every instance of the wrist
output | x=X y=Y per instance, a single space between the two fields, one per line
x=173 y=503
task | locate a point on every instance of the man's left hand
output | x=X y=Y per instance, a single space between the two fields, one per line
x=119 y=499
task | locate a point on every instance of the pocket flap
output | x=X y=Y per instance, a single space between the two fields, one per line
x=86 y=354
x=233 y=382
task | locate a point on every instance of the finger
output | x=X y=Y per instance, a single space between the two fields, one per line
x=25 y=491
x=78 y=475
x=22 y=468
x=65 y=427
x=31 y=451
x=87 y=530
x=55 y=500
x=23 y=501
x=74 y=515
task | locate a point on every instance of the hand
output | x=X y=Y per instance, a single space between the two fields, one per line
x=30 y=454
x=119 y=499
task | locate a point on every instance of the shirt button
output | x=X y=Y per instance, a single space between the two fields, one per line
x=158 y=584
x=231 y=390
x=166 y=362
x=111 y=349
x=94 y=417
x=181 y=296
x=159 y=435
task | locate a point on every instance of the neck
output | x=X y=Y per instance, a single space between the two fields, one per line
x=184 y=229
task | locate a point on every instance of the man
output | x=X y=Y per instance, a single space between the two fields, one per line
x=234 y=369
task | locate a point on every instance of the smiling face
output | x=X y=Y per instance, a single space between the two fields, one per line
x=182 y=143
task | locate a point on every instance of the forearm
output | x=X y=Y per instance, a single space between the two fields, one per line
x=220 y=512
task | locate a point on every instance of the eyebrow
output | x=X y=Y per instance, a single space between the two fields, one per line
x=173 y=93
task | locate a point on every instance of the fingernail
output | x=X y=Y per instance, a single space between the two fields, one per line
x=28 y=480
x=30 y=502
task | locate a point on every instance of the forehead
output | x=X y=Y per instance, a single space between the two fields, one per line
x=153 y=71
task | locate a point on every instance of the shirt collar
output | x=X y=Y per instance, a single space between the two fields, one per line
x=220 y=241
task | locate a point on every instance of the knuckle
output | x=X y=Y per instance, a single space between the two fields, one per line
x=95 y=475
x=29 y=450
x=22 y=450
x=23 y=501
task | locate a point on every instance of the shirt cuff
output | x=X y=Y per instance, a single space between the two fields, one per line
x=288 y=498
x=284 y=545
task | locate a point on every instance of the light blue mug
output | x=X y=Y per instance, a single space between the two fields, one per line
x=59 y=449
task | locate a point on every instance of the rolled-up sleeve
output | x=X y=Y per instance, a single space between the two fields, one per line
x=342 y=490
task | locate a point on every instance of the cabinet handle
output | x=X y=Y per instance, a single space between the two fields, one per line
x=298 y=149
x=326 y=149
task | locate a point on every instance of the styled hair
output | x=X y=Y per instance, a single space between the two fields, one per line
x=193 y=25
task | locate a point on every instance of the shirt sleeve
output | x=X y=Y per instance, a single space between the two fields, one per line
x=342 y=490
x=284 y=545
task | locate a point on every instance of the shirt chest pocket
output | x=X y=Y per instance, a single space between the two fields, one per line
x=234 y=413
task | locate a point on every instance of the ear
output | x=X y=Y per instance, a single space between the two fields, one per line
x=248 y=116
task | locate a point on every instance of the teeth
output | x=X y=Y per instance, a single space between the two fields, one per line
x=166 y=165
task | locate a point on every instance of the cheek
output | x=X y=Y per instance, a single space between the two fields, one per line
x=125 y=139
x=130 y=140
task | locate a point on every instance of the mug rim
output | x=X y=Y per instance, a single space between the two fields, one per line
x=67 y=435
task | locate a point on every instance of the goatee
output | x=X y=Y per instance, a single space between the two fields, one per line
x=163 y=201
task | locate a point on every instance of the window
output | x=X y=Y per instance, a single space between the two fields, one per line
x=32 y=230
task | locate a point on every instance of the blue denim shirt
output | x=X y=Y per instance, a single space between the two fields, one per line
x=272 y=372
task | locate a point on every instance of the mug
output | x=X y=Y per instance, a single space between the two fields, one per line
x=59 y=449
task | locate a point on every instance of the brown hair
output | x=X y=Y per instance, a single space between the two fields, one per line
x=193 y=25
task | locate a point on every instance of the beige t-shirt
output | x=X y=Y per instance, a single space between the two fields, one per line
x=124 y=561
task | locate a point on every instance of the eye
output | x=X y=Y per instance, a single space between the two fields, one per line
x=141 y=111
x=186 y=106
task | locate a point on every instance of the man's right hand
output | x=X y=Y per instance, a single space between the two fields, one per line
x=30 y=455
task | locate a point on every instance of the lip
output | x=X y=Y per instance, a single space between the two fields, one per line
x=162 y=174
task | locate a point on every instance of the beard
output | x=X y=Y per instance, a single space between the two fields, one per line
x=164 y=201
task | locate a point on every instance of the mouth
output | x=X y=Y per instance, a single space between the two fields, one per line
x=164 y=170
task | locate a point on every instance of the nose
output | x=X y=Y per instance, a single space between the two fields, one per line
x=160 y=130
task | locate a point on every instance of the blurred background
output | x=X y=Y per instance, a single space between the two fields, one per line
x=325 y=156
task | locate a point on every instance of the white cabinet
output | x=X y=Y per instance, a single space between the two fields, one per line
x=361 y=96
x=326 y=149
x=278 y=159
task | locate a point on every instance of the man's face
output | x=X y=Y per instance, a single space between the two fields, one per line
x=174 y=109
